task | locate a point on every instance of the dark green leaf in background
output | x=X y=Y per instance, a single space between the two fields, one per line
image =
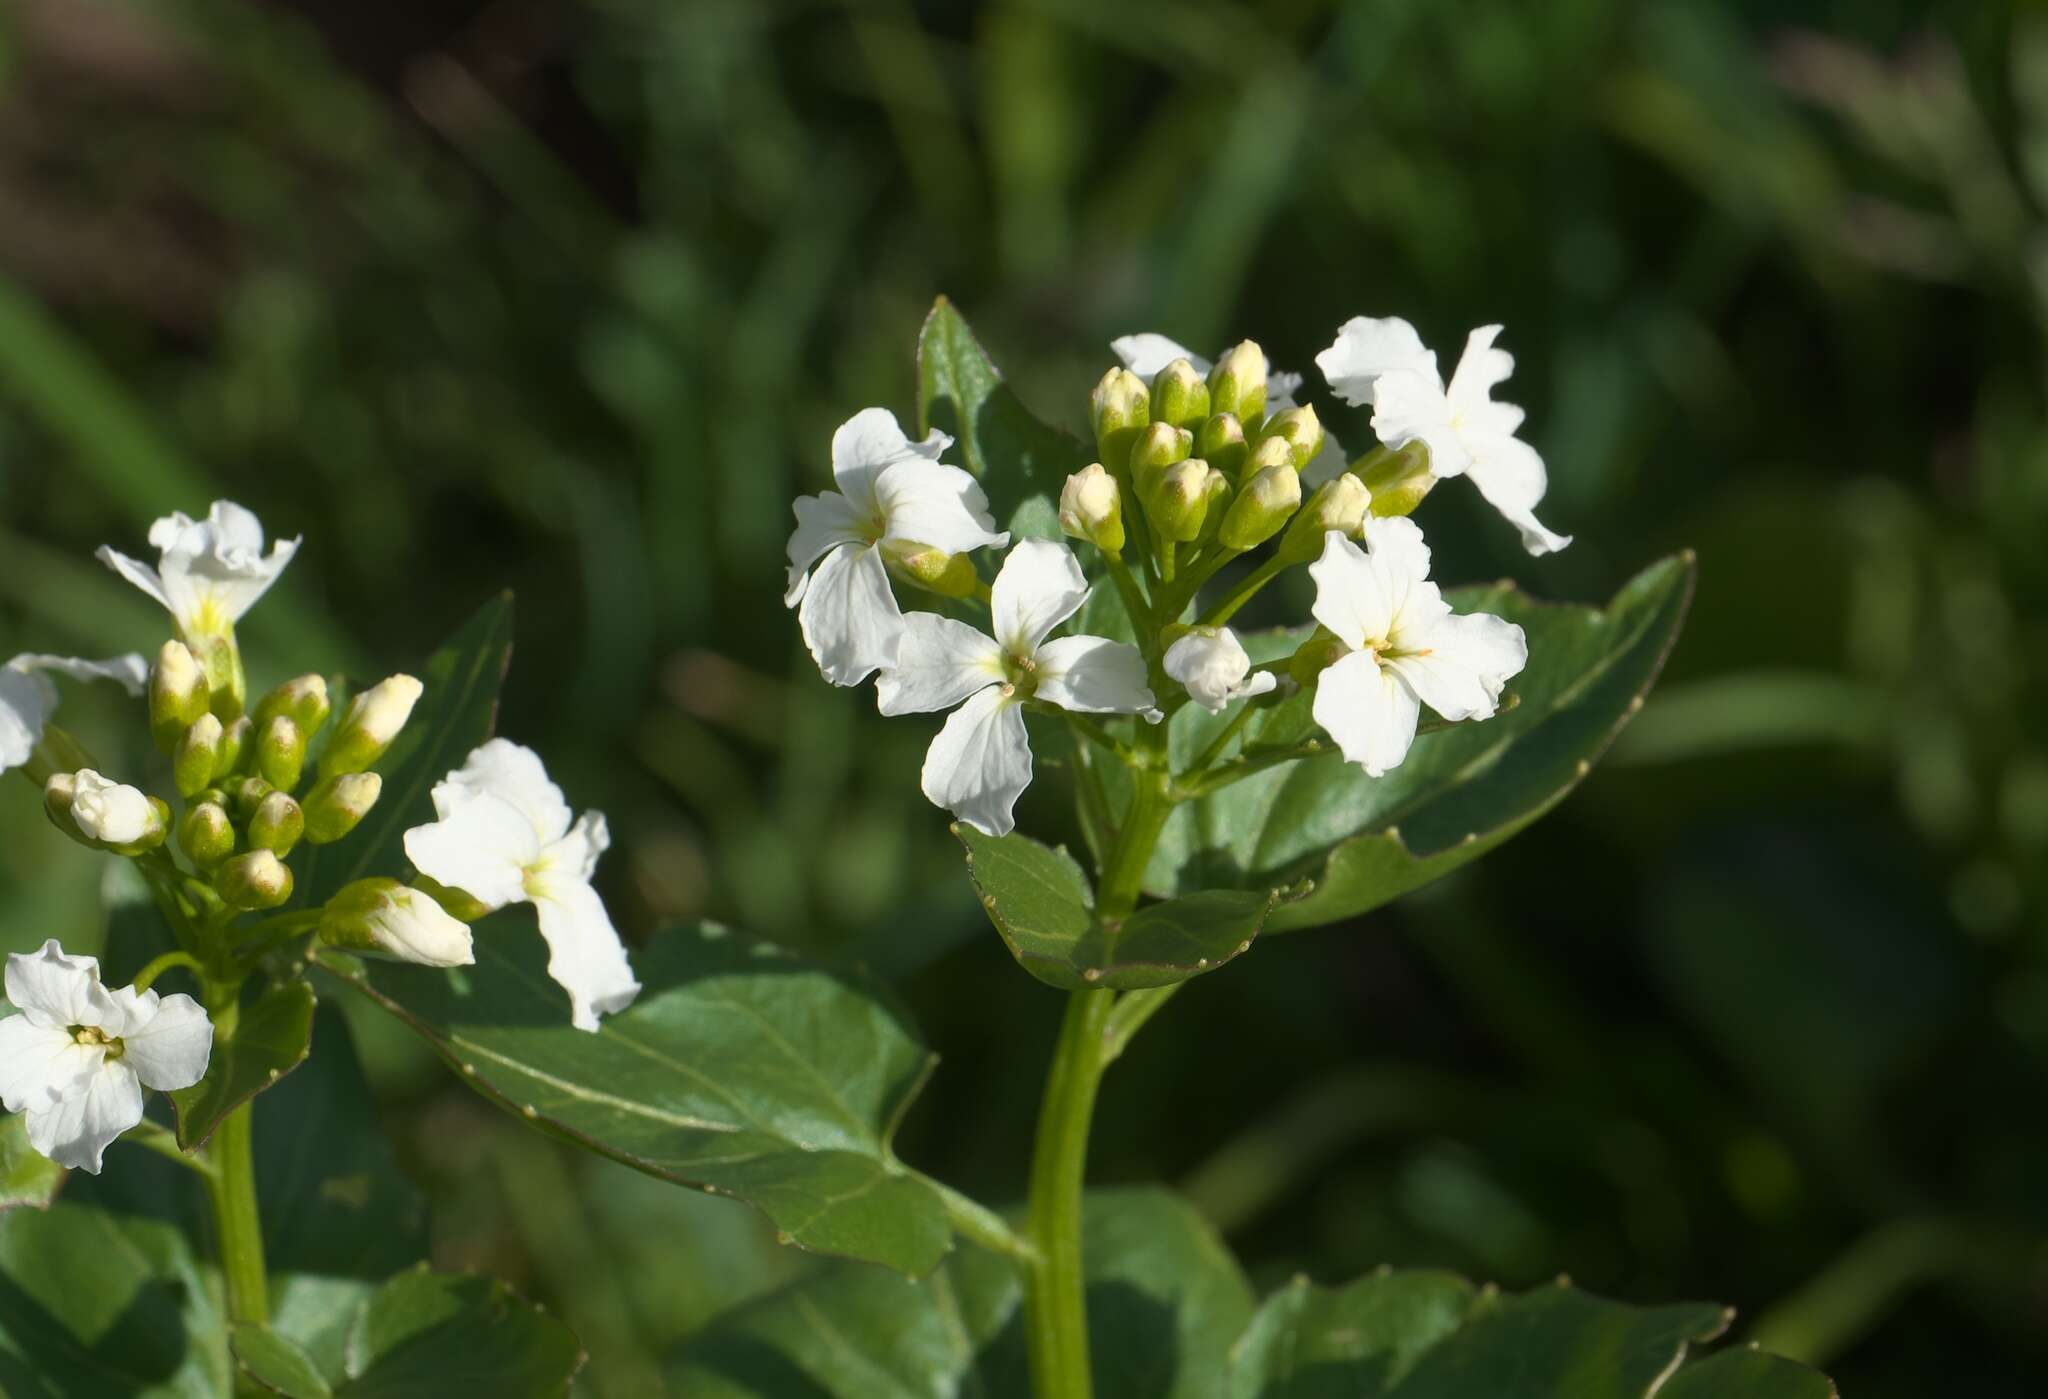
x=277 y=1364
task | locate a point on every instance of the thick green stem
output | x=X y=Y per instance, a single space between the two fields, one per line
x=1055 y=1295
x=232 y=1188
x=1247 y=588
x=1123 y=874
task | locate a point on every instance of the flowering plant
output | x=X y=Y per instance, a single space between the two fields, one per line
x=1069 y=607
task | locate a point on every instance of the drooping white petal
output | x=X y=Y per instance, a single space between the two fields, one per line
x=1509 y=473
x=586 y=957
x=166 y=1040
x=980 y=763
x=1093 y=675
x=77 y=1127
x=1211 y=664
x=575 y=855
x=1368 y=710
x=823 y=523
x=1040 y=586
x=515 y=775
x=55 y=989
x=1147 y=353
x=936 y=505
x=1367 y=348
x=1412 y=407
x=1462 y=664
x=138 y=573
x=482 y=847
x=849 y=615
x=130 y=672
x=869 y=441
x=939 y=663
x=38 y=1062
x=1481 y=368
x=1352 y=596
x=26 y=702
x=1397 y=543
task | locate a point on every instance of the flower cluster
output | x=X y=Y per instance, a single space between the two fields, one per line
x=1199 y=463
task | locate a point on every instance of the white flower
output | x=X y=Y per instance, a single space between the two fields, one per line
x=1408 y=648
x=892 y=491
x=1148 y=353
x=981 y=761
x=209 y=572
x=110 y=811
x=1384 y=363
x=1212 y=665
x=27 y=698
x=506 y=836
x=385 y=919
x=78 y=1056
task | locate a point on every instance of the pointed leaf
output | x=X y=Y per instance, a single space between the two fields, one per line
x=272 y=1037
x=277 y=1364
x=1021 y=461
x=1747 y=1373
x=428 y=1334
x=740 y=1070
x=1039 y=900
x=27 y=1177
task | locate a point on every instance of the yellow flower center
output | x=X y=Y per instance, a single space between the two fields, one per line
x=91 y=1035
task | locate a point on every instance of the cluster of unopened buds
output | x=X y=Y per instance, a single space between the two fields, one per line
x=1198 y=465
x=253 y=784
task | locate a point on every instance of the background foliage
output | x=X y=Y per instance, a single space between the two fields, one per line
x=568 y=297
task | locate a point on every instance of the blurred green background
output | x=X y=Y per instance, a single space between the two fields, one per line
x=569 y=297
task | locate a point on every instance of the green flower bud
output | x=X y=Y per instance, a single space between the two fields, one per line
x=1261 y=508
x=178 y=694
x=950 y=575
x=281 y=751
x=1300 y=430
x=302 y=699
x=1178 y=500
x=374 y=719
x=206 y=835
x=1119 y=409
x=245 y=794
x=222 y=661
x=336 y=804
x=460 y=905
x=383 y=918
x=277 y=824
x=1339 y=505
x=1179 y=396
x=1221 y=444
x=196 y=756
x=1397 y=480
x=1216 y=494
x=1237 y=385
x=257 y=879
x=1091 y=508
x=1160 y=446
x=1269 y=451
x=237 y=742
x=59 y=790
x=1318 y=653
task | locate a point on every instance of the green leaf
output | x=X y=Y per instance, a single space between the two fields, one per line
x=1745 y=1373
x=27 y=1177
x=1039 y=900
x=740 y=1070
x=1364 y=841
x=457 y=711
x=273 y=1037
x=425 y=1335
x=1355 y=1342
x=1022 y=462
x=277 y=1364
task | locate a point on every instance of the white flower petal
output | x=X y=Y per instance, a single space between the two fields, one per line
x=130 y=672
x=1327 y=464
x=211 y=571
x=938 y=506
x=869 y=441
x=1480 y=369
x=55 y=989
x=1211 y=665
x=136 y=572
x=1413 y=408
x=1510 y=474
x=823 y=523
x=1040 y=586
x=1463 y=665
x=1368 y=710
x=482 y=847
x=585 y=954
x=76 y=1129
x=1367 y=348
x=1397 y=543
x=167 y=1040
x=849 y=615
x=980 y=763
x=26 y=702
x=1093 y=675
x=110 y=811
x=38 y=1063
x=575 y=855
x=1353 y=598
x=515 y=775
x=939 y=663
x=1147 y=353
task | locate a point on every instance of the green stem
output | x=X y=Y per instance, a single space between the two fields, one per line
x=1247 y=588
x=163 y=1142
x=973 y=1220
x=1133 y=1009
x=164 y=963
x=1123 y=874
x=1222 y=740
x=1134 y=604
x=1055 y=1295
x=232 y=1189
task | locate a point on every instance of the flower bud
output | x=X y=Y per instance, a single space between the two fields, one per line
x=1237 y=385
x=336 y=804
x=950 y=575
x=1119 y=409
x=1221 y=444
x=1179 y=396
x=1338 y=504
x=1261 y=508
x=281 y=751
x=237 y=741
x=245 y=794
x=1300 y=429
x=374 y=719
x=1269 y=451
x=1178 y=500
x=458 y=903
x=59 y=790
x=206 y=835
x=114 y=814
x=1397 y=480
x=1216 y=495
x=383 y=918
x=1318 y=653
x=1091 y=508
x=178 y=694
x=196 y=756
x=255 y=880
x=1160 y=446
x=302 y=699
x=277 y=824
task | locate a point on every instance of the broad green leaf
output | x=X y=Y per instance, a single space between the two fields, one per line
x=1165 y=1301
x=1363 y=841
x=277 y=1364
x=273 y=1037
x=1021 y=461
x=739 y=1070
x=425 y=1335
x=1039 y=900
x=457 y=711
x=1745 y=1373
x=27 y=1177
x=1355 y=1342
